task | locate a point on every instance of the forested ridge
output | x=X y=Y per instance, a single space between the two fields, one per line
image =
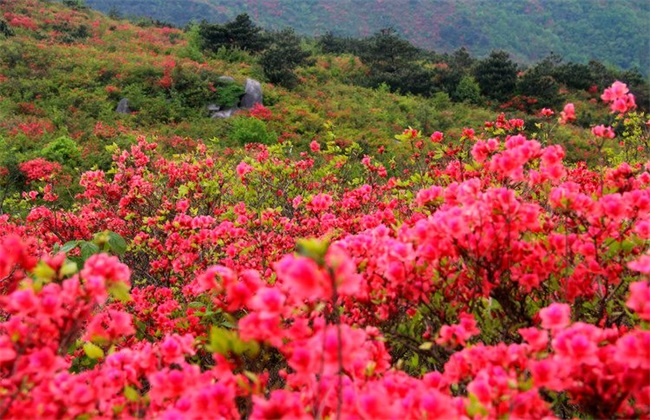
x=611 y=31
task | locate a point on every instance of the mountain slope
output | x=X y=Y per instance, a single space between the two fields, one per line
x=612 y=31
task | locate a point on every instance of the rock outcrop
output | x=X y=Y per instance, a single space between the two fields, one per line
x=253 y=94
x=123 y=107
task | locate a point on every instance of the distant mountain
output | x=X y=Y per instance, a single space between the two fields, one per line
x=615 y=32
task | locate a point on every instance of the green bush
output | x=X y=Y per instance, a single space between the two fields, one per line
x=191 y=87
x=281 y=60
x=229 y=93
x=240 y=34
x=497 y=76
x=192 y=49
x=75 y=4
x=63 y=150
x=251 y=130
x=468 y=90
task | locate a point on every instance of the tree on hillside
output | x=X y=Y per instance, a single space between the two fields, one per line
x=602 y=74
x=462 y=60
x=386 y=52
x=75 y=4
x=497 y=76
x=458 y=67
x=241 y=34
x=540 y=86
x=540 y=82
x=281 y=59
x=393 y=61
x=467 y=91
x=332 y=44
x=574 y=76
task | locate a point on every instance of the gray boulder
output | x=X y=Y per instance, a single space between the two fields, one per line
x=253 y=94
x=123 y=107
x=227 y=79
x=213 y=107
x=226 y=113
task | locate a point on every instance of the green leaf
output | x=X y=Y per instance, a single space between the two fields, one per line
x=69 y=268
x=88 y=249
x=120 y=291
x=252 y=376
x=314 y=249
x=131 y=393
x=116 y=243
x=475 y=407
x=93 y=351
x=414 y=361
x=44 y=272
x=228 y=324
x=220 y=340
x=69 y=246
x=252 y=348
x=426 y=346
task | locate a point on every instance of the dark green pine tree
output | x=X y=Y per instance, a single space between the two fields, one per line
x=497 y=76
x=386 y=52
x=394 y=61
x=283 y=57
x=241 y=34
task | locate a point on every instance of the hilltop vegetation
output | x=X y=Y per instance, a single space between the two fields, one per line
x=611 y=31
x=393 y=233
x=64 y=70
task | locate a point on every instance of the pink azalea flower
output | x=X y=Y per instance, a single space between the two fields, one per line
x=243 y=168
x=556 y=316
x=302 y=277
x=436 y=137
x=568 y=114
x=641 y=264
x=602 y=131
x=639 y=300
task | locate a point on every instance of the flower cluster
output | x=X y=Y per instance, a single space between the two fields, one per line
x=492 y=279
x=619 y=97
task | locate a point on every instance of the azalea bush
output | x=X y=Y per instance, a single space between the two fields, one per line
x=478 y=276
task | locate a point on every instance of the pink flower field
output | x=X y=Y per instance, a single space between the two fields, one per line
x=482 y=277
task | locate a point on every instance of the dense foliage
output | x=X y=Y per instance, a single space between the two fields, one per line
x=241 y=34
x=310 y=262
x=611 y=31
x=490 y=279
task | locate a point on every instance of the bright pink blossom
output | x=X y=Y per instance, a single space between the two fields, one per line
x=243 y=168
x=604 y=132
x=302 y=277
x=437 y=137
x=619 y=97
x=639 y=300
x=568 y=114
x=546 y=112
x=641 y=264
x=555 y=316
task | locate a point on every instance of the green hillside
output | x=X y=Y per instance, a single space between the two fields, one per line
x=63 y=72
x=64 y=69
x=612 y=31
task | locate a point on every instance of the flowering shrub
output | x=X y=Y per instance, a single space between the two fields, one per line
x=488 y=279
x=39 y=169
